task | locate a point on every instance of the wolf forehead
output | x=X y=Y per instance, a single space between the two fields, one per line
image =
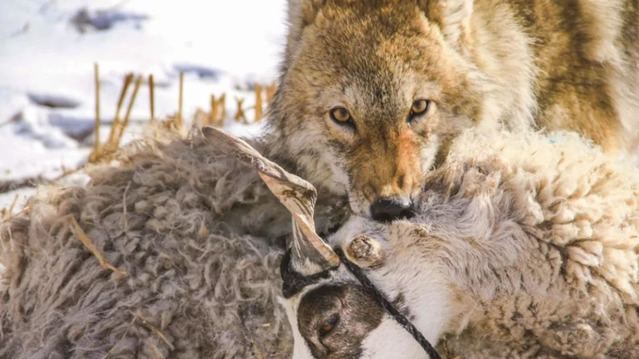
x=358 y=40
x=368 y=33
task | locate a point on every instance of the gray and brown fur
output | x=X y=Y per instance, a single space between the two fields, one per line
x=199 y=237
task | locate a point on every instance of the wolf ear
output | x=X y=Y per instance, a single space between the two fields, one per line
x=452 y=16
x=301 y=13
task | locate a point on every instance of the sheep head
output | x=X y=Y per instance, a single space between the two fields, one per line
x=331 y=314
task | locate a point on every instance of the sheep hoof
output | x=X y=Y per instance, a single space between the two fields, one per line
x=365 y=252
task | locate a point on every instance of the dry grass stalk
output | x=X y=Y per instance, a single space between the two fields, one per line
x=116 y=120
x=259 y=111
x=155 y=330
x=126 y=332
x=240 y=115
x=113 y=140
x=213 y=111
x=68 y=171
x=152 y=97
x=172 y=123
x=96 y=132
x=79 y=233
x=127 y=115
x=222 y=104
x=119 y=125
x=24 y=210
x=7 y=213
x=180 y=115
x=218 y=110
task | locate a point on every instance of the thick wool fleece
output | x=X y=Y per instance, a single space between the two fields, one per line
x=199 y=237
x=540 y=241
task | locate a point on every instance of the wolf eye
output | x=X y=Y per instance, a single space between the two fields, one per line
x=341 y=116
x=418 y=108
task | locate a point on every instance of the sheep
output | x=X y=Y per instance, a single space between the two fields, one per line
x=523 y=246
x=172 y=251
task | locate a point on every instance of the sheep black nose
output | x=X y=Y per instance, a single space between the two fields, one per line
x=389 y=209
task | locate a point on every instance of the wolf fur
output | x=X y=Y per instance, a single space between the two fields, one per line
x=569 y=65
x=199 y=237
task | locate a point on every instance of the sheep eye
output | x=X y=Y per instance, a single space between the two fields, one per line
x=328 y=325
x=341 y=116
x=418 y=108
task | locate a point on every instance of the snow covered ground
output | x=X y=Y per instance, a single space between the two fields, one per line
x=48 y=48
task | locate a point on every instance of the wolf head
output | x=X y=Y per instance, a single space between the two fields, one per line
x=372 y=93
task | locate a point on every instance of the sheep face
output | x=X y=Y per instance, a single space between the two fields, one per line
x=331 y=314
x=336 y=317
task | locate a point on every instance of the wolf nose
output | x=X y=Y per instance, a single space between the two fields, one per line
x=389 y=209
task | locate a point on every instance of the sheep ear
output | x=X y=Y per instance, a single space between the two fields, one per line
x=309 y=253
x=452 y=16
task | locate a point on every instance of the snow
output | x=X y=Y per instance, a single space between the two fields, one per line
x=47 y=52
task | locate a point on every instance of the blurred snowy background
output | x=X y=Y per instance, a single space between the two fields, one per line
x=47 y=52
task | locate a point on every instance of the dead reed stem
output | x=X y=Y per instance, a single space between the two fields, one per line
x=126 y=332
x=258 y=103
x=152 y=97
x=155 y=330
x=240 y=115
x=116 y=119
x=180 y=118
x=218 y=110
x=7 y=213
x=96 y=133
x=213 y=111
x=222 y=102
x=127 y=116
x=119 y=125
x=79 y=233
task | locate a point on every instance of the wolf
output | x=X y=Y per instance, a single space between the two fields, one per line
x=372 y=92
